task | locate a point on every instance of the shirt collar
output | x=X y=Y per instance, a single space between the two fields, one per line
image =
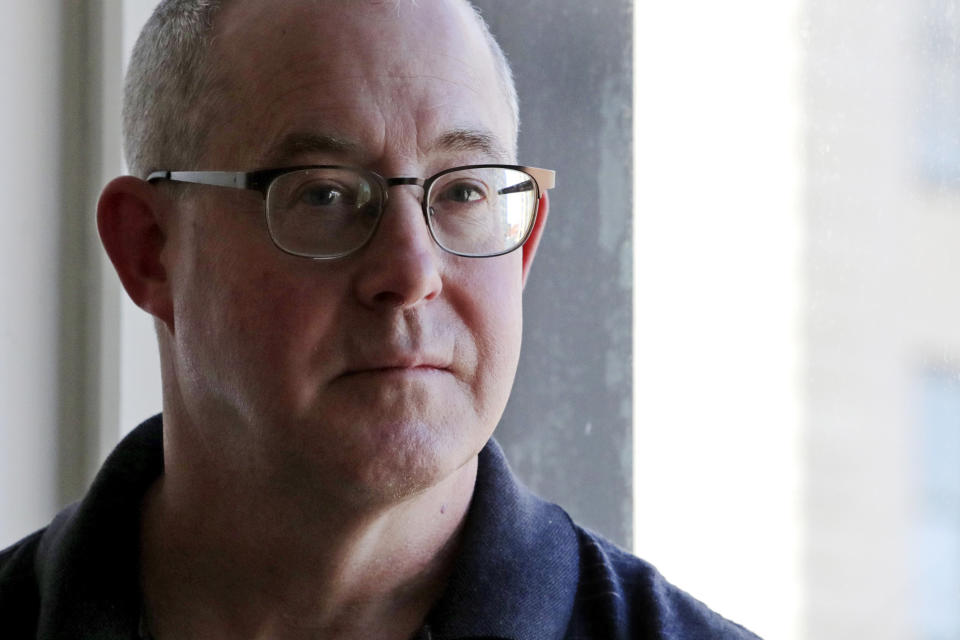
x=88 y=559
x=517 y=570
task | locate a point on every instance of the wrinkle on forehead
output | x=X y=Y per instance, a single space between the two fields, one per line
x=322 y=66
x=354 y=36
x=431 y=19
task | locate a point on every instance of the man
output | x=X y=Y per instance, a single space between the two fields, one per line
x=331 y=232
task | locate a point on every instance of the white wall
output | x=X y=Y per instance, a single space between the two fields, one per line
x=717 y=293
x=29 y=170
x=118 y=350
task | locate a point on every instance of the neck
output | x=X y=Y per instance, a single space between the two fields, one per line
x=232 y=559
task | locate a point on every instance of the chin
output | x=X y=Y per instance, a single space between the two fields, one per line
x=377 y=463
x=410 y=457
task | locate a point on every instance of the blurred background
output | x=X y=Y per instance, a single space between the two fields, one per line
x=741 y=335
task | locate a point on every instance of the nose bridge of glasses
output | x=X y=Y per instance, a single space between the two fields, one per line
x=401 y=181
x=404 y=181
x=393 y=182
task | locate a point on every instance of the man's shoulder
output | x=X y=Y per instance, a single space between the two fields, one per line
x=621 y=595
x=527 y=570
x=77 y=572
x=24 y=569
x=19 y=588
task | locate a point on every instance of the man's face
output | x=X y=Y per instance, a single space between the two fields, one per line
x=382 y=372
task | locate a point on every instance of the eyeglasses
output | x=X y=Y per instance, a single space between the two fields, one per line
x=327 y=212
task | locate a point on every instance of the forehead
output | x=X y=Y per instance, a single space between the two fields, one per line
x=406 y=76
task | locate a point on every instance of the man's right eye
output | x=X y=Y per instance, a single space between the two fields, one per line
x=321 y=196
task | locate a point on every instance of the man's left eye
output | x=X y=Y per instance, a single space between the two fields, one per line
x=462 y=193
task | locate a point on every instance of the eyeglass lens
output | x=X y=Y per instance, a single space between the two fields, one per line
x=330 y=212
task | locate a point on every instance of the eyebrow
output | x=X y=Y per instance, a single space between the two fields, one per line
x=299 y=143
x=472 y=140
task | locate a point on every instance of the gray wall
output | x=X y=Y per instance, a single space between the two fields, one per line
x=567 y=429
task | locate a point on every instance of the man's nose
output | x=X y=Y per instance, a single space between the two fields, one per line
x=400 y=265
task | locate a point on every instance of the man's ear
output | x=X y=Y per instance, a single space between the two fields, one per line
x=131 y=229
x=530 y=246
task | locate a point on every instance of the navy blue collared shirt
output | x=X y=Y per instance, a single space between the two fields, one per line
x=525 y=570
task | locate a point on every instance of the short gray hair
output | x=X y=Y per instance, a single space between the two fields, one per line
x=170 y=94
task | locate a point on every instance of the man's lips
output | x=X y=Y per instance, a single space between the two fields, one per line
x=399 y=369
x=398 y=366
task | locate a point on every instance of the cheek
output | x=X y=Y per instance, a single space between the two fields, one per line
x=250 y=328
x=492 y=312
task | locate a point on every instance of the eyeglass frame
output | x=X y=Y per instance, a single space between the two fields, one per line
x=260 y=180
